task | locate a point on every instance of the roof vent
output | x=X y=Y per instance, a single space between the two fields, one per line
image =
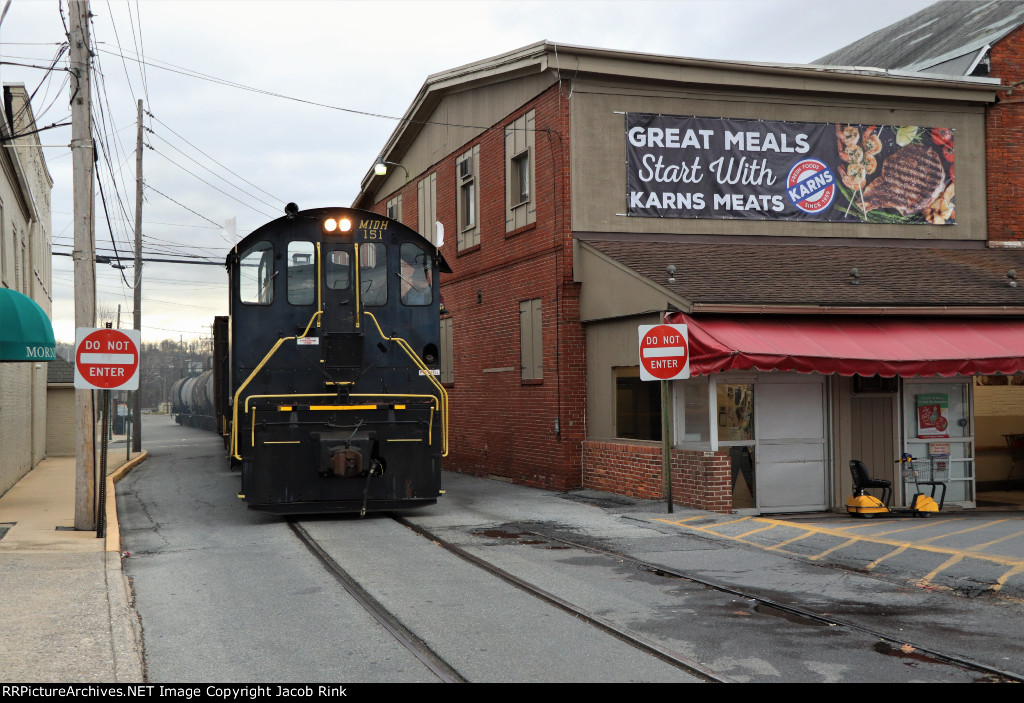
x=854 y=277
x=671 y=271
x=1012 y=275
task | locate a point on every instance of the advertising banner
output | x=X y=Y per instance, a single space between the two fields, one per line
x=710 y=168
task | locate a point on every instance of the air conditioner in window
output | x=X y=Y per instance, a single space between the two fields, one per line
x=466 y=168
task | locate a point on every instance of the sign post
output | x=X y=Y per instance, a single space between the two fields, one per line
x=665 y=357
x=106 y=360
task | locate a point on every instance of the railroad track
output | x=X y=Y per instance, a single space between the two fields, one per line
x=446 y=672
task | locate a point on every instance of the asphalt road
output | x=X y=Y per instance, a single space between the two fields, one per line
x=229 y=595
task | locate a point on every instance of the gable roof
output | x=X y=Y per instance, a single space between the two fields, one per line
x=950 y=38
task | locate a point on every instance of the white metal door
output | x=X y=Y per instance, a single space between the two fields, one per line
x=791 y=443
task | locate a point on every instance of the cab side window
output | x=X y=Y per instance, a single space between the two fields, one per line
x=256 y=274
x=416 y=276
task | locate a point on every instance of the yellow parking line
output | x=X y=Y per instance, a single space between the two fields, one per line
x=780 y=545
x=1002 y=579
x=927 y=579
x=847 y=543
x=996 y=541
x=918 y=526
x=1015 y=565
x=681 y=521
x=960 y=532
x=879 y=560
x=756 y=529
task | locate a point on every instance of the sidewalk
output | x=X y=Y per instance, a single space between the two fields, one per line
x=65 y=612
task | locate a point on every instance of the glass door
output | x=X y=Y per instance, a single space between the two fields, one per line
x=938 y=429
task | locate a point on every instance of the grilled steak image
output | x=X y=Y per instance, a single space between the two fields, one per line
x=910 y=181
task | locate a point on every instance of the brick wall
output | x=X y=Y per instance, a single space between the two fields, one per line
x=1004 y=142
x=527 y=431
x=700 y=479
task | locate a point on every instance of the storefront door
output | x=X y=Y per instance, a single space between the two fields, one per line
x=938 y=429
x=791 y=452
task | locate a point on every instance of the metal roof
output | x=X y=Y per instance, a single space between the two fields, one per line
x=949 y=37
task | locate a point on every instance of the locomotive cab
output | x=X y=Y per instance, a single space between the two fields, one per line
x=334 y=340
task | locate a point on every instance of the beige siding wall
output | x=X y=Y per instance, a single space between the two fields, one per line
x=599 y=171
x=60 y=417
x=15 y=422
x=609 y=344
x=25 y=185
x=459 y=118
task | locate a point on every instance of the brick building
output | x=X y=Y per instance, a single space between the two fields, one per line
x=568 y=183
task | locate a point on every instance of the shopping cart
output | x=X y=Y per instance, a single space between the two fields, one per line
x=1015 y=443
x=931 y=471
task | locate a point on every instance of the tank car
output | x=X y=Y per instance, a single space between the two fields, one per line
x=334 y=336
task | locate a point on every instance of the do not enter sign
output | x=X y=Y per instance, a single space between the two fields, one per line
x=107 y=359
x=664 y=352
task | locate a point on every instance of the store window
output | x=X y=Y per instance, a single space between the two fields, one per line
x=692 y=412
x=637 y=405
x=735 y=419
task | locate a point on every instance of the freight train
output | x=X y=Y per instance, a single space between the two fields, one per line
x=332 y=401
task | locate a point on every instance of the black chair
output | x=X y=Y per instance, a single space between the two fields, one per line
x=862 y=481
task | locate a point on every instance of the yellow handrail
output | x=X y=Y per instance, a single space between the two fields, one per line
x=426 y=372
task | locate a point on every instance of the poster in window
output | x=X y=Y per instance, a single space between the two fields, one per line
x=932 y=415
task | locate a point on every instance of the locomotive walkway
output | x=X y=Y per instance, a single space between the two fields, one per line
x=66 y=613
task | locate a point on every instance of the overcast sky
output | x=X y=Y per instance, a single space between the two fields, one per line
x=221 y=151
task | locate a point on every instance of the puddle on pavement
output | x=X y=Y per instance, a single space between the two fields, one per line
x=520 y=537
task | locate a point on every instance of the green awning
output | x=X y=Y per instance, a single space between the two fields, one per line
x=25 y=330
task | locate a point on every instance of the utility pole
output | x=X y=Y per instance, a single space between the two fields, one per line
x=82 y=159
x=137 y=405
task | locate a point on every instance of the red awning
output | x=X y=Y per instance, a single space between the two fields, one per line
x=855 y=345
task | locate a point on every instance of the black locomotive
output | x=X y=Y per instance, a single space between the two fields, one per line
x=334 y=399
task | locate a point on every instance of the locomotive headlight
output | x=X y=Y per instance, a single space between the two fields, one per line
x=332 y=225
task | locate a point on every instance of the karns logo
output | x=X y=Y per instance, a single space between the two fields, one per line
x=811 y=186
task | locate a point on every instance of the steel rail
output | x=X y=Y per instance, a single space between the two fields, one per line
x=405 y=637
x=952 y=659
x=642 y=643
